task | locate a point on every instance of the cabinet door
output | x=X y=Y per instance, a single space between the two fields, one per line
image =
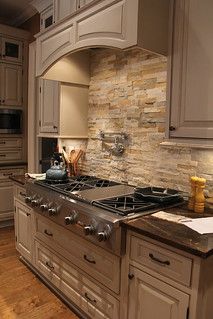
x=192 y=77
x=6 y=200
x=23 y=229
x=11 y=50
x=64 y=8
x=149 y=298
x=46 y=18
x=49 y=106
x=11 y=84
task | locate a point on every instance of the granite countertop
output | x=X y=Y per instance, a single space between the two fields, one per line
x=20 y=179
x=175 y=234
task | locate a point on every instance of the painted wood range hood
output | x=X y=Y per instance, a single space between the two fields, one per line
x=120 y=24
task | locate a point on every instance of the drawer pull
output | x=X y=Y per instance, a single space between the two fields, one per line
x=2 y=155
x=7 y=174
x=27 y=214
x=163 y=262
x=131 y=276
x=49 y=265
x=89 y=299
x=47 y=233
x=1 y=143
x=89 y=260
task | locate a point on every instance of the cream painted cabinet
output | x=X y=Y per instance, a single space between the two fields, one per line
x=11 y=85
x=11 y=50
x=150 y=298
x=49 y=106
x=63 y=109
x=6 y=200
x=64 y=8
x=23 y=229
x=191 y=85
x=119 y=24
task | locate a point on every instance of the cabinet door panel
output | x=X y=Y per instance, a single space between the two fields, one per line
x=11 y=50
x=192 y=77
x=64 y=8
x=23 y=229
x=149 y=298
x=11 y=85
x=6 y=200
x=49 y=106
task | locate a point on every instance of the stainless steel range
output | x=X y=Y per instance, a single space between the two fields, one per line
x=91 y=207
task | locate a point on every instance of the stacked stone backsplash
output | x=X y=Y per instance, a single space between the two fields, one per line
x=128 y=94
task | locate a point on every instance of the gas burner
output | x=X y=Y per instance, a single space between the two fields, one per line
x=125 y=205
x=73 y=187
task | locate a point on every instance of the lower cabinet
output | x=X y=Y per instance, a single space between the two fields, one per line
x=150 y=298
x=23 y=229
x=89 y=297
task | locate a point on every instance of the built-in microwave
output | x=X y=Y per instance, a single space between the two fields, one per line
x=11 y=121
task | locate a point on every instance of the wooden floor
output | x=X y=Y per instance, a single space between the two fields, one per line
x=22 y=295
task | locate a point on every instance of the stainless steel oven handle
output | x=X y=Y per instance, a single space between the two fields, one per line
x=89 y=260
x=163 y=262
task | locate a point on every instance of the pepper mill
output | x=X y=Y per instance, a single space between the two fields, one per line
x=199 y=196
x=191 y=202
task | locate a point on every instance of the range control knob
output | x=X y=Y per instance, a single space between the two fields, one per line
x=44 y=207
x=105 y=233
x=35 y=202
x=28 y=199
x=71 y=219
x=52 y=211
x=89 y=230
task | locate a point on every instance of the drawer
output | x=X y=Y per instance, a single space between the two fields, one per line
x=19 y=192
x=10 y=143
x=5 y=173
x=88 y=296
x=11 y=155
x=161 y=260
x=97 y=262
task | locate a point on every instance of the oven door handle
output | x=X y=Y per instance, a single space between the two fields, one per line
x=89 y=260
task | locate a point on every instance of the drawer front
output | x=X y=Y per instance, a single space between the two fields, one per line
x=80 y=290
x=10 y=143
x=161 y=260
x=5 y=173
x=98 y=263
x=6 y=156
x=19 y=192
x=60 y=274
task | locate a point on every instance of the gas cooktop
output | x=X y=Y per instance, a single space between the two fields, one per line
x=115 y=197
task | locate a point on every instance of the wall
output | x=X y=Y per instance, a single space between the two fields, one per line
x=32 y=25
x=128 y=94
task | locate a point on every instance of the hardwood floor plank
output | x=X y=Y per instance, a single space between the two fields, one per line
x=22 y=294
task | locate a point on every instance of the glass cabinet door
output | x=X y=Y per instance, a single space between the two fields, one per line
x=11 y=50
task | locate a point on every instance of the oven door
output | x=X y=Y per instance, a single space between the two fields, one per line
x=10 y=121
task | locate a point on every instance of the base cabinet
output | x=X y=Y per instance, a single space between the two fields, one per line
x=86 y=295
x=150 y=298
x=23 y=229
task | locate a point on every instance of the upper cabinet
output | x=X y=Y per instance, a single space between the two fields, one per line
x=11 y=85
x=63 y=8
x=11 y=50
x=191 y=81
x=120 y=24
x=63 y=109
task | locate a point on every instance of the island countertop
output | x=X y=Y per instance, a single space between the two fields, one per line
x=175 y=234
x=20 y=179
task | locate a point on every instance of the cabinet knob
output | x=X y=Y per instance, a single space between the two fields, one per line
x=172 y=128
x=131 y=276
x=55 y=127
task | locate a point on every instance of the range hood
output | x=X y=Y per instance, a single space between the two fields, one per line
x=120 y=24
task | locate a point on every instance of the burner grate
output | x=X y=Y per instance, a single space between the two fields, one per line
x=125 y=205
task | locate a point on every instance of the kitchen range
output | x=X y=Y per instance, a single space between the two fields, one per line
x=94 y=208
